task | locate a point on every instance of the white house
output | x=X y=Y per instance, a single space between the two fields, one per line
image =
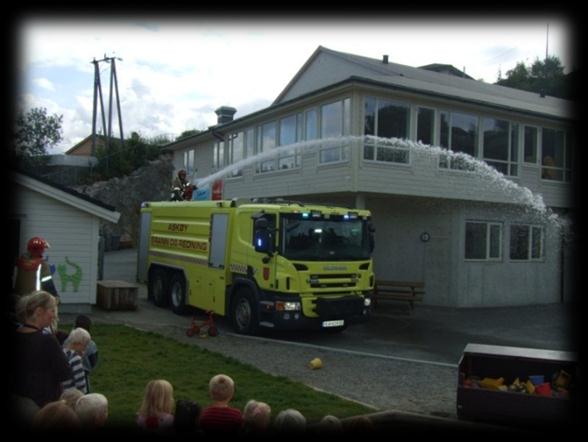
x=474 y=236
x=70 y=222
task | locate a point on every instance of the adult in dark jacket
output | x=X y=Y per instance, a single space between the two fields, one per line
x=38 y=363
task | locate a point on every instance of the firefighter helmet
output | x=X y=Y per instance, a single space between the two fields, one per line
x=37 y=245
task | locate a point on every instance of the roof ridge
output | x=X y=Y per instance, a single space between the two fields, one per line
x=69 y=190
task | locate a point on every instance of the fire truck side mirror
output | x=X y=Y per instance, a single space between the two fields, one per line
x=263 y=240
x=261 y=224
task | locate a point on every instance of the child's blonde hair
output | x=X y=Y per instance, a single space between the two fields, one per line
x=158 y=398
x=71 y=396
x=221 y=387
x=56 y=415
x=257 y=414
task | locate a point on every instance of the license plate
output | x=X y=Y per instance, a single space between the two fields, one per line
x=338 y=323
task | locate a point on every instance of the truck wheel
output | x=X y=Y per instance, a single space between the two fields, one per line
x=158 y=287
x=244 y=313
x=177 y=294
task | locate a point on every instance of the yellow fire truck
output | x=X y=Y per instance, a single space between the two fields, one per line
x=280 y=265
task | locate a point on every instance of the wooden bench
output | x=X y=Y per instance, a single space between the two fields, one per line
x=410 y=291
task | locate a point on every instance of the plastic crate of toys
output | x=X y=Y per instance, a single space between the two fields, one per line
x=515 y=385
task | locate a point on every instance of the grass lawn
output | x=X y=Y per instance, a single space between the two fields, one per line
x=129 y=358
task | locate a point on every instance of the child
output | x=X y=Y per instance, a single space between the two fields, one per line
x=92 y=409
x=219 y=416
x=256 y=417
x=290 y=421
x=90 y=358
x=156 y=412
x=74 y=348
x=186 y=416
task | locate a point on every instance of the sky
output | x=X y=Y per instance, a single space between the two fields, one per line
x=173 y=73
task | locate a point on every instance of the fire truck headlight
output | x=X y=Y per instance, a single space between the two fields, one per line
x=287 y=306
x=367 y=302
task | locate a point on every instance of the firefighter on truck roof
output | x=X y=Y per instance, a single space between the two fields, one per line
x=182 y=189
x=33 y=271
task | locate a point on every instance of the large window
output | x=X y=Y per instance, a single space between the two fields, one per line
x=311 y=125
x=425 y=125
x=526 y=242
x=267 y=141
x=335 y=123
x=500 y=145
x=483 y=241
x=385 y=119
x=218 y=155
x=249 y=148
x=458 y=133
x=555 y=155
x=289 y=134
x=236 y=143
x=530 y=143
x=189 y=162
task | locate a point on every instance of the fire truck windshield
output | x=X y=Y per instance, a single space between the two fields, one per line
x=337 y=238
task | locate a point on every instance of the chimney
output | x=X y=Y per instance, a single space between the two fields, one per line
x=385 y=59
x=225 y=114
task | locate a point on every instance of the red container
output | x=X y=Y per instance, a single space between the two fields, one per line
x=543 y=389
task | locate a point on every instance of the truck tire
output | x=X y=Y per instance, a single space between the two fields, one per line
x=244 y=313
x=158 y=287
x=177 y=293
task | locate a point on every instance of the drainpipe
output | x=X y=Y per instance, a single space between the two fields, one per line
x=218 y=135
x=562 y=260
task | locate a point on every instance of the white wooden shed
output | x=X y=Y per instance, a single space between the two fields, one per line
x=70 y=222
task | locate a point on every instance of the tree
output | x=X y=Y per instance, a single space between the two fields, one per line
x=35 y=133
x=117 y=160
x=187 y=133
x=545 y=77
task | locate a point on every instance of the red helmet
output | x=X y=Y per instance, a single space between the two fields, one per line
x=37 y=245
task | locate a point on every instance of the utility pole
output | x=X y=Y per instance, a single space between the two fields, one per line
x=547 y=43
x=98 y=94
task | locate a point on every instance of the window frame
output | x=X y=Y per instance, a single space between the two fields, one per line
x=512 y=154
x=531 y=242
x=488 y=241
x=218 y=155
x=392 y=152
x=341 y=153
x=566 y=167
x=444 y=158
x=288 y=154
x=260 y=167
x=534 y=162
x=432 y=129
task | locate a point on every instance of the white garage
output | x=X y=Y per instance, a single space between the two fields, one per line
x=70 y=222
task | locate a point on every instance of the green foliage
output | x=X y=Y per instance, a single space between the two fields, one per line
x=543 y=76
x=187 y=133
x=118 y=160
x=130 y=358
x=34 y=133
